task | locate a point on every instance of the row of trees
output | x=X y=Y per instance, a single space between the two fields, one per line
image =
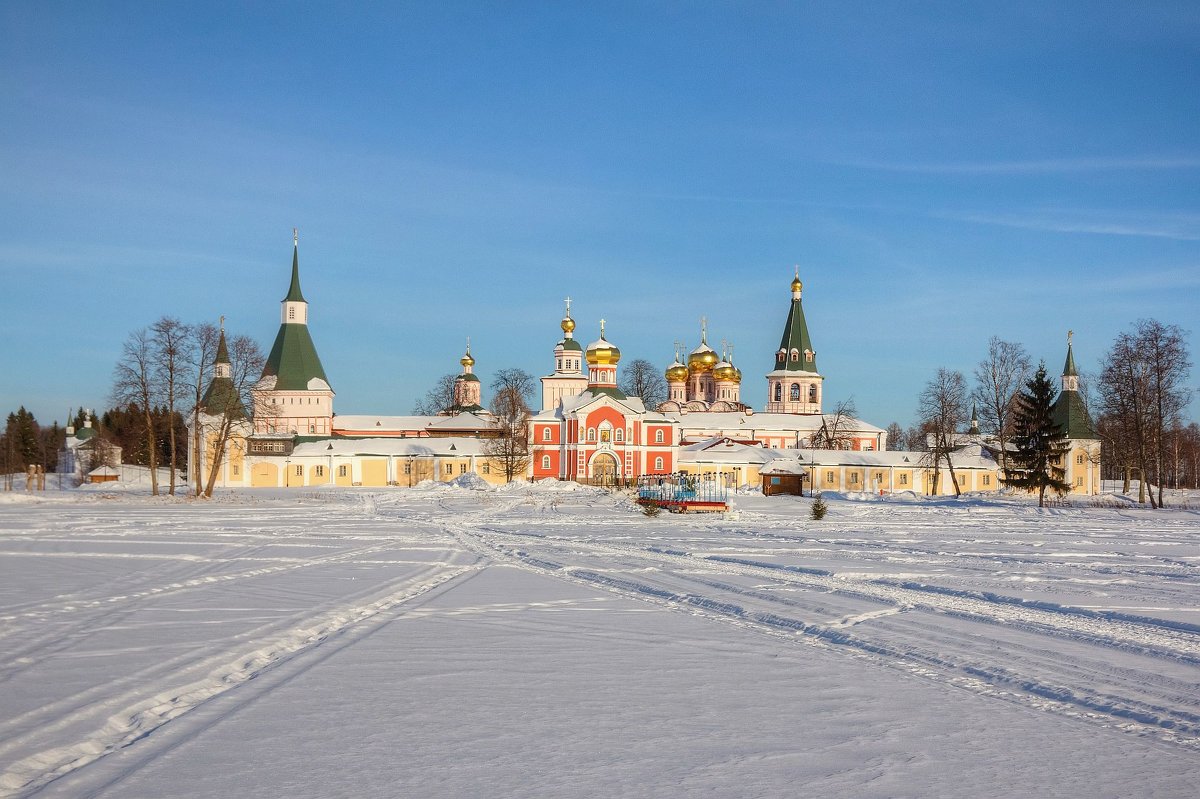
x=1136 y=402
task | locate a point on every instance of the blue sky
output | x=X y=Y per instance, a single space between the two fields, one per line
x=940 y=173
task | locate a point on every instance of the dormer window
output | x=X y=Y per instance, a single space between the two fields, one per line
x=795 y=355
x=808 y=356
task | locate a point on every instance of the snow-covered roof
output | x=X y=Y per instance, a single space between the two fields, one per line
x=786 y=422
x=463 y=421
x=382 y=423
x=725 y=450
x=579 y=402
x=978 y=459
x=396 y=447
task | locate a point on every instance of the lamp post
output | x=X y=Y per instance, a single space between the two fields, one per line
x=287 y=472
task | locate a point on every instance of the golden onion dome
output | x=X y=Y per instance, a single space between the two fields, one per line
x=737 y=374
x=796 y=284
x=568 y=324
x=601 y=353
x=677 y=372
x=723 y=371
x=467 y=360
x=702 y=359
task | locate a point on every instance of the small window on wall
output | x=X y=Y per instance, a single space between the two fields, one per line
x=658 y=464
x=794 y=393
x=462 y=468
x=320 y=470
x=312 y=428
x=987 y=479
x=545 y=461
x=408 y=468
x=812 y=393
x=658 y=436
x=487 y=468
x=1079 y=481
x=904 y=479
x=545 y=434
x=1079 y=460
x=447 y=468
x=778 y=392
x=342 y=471
x=299 y=471
x=854 y=478
x=591 y=434
x=619 y=435
x=235 y=471
x=829 y=478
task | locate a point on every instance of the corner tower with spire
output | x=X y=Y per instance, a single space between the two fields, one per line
x=293 y=396
x=1070 y=414
x=795 y=385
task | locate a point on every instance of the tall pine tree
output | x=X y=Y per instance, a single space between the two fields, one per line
x=1040 y=444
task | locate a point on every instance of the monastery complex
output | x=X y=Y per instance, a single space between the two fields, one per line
x=587 y=430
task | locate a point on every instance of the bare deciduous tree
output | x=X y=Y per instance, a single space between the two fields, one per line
x=134 y=384
x=942 y=408
x=640 y=378
x=512 y=391
x=202 y=353
x=895 y=436
x=1143 y=392
x=998 y=379
x=835 y=432
x=439 y=399
x=172 y=342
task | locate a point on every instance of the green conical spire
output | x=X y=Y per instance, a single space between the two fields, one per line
x=222 y=350
x=795 y=337
x=1069 y=367
x=294 y=294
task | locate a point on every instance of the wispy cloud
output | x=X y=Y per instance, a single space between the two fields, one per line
x=1035 y=166
x=1168 y=226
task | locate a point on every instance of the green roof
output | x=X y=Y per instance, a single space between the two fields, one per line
x=467 y=377
x=1071 y=416
x=293 y=359
x=795 y=337
x=570 y=344
x=615 y=393
x=222 y=350
x=294 y=294
x=222 y=398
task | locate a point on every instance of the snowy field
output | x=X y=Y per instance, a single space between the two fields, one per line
x=551 y=641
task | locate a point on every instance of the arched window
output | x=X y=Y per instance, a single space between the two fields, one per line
x=619 y=435
x=545 y=434
x=794 y=392
x=778 y=392
x=795 y=355
x=812 y=393
x=658 y=436
x=658 y=464
x=545 y=461
x=591 y=434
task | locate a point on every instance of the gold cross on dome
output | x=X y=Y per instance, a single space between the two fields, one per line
x=568 y=301
x=222 y=323
x=601 y=328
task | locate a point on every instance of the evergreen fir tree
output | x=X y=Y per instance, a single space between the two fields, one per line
x=818 y=508
x=1040 y=444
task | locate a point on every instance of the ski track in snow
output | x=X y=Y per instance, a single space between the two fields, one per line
x=1157 y=706
x=910 y=599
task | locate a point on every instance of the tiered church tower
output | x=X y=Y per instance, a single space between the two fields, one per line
x=794 y=386
x=568 y=379
x=293 y=396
